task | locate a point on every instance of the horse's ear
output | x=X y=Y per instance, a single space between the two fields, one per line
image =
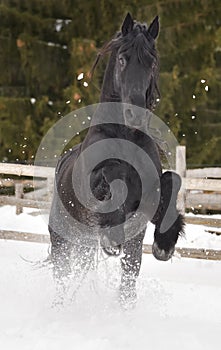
x=127 y=25
x=153 y=29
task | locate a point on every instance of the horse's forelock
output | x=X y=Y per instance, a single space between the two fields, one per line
x=129 y=40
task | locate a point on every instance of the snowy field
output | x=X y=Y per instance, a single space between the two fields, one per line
x=179 y=302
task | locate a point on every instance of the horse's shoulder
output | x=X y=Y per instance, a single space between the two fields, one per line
x=67 y=158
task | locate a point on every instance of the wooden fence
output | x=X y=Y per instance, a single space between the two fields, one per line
x=201 y=189
x=40 y=198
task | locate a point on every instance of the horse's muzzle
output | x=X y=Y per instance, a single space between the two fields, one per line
x=132 y=119
x=161 y=254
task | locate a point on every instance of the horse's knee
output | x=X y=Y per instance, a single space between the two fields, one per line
x=131 y=261
x=170 y=181
x=170 y=184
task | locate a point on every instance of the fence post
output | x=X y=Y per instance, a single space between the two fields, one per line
x=19 y=194
x=181 y=170
x=50 y=188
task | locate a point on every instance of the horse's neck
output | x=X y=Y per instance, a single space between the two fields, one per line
x=105 y=112
x=108 y=93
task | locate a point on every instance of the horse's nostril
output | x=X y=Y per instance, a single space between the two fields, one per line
x=132 y=119
x=129 y=114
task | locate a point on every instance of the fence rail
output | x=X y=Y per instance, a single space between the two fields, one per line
x=26 y=170
x=208 y=254
x=202 y=184
x=24 y=203
x=204 y=173
x=199 y=220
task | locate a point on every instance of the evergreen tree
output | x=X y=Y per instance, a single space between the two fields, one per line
x=46 y=44
x=190 y=79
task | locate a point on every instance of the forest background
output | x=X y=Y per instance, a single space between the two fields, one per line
x=46 y=44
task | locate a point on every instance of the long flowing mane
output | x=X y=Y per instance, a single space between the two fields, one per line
x=145 y=46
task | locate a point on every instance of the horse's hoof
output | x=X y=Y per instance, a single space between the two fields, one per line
x=113 y=251
x=161 y=254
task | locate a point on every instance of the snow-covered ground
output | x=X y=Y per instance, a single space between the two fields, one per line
x=179 y=303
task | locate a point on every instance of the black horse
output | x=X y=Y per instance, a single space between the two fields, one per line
x=129 y=91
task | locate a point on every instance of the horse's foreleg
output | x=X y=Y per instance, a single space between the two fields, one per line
x=60 y=255
x=130 y=265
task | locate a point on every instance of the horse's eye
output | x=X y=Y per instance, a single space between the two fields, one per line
x=122 y=61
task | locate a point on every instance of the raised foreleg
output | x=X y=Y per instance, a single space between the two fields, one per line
x=169 y=223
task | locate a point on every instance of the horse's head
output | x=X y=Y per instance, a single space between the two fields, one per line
x=136 y=68
x=132 y=72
